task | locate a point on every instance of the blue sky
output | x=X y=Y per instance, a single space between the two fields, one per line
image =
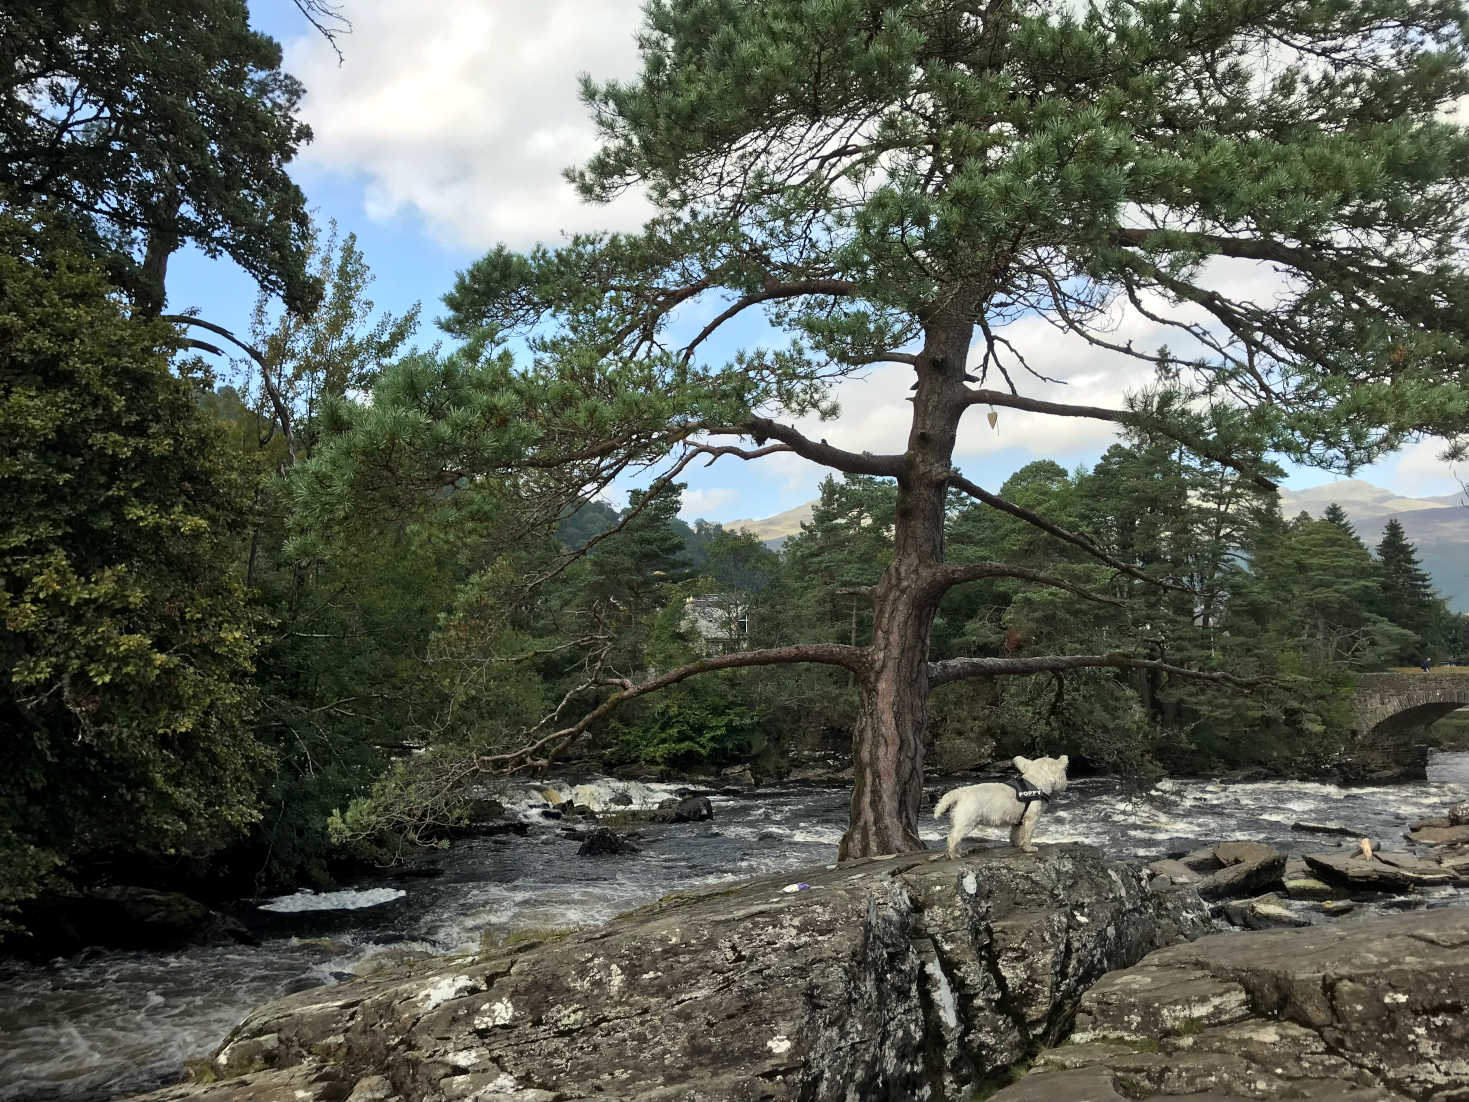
x=444 y=132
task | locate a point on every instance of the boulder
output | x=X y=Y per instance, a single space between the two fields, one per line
x=1308 y=887
x=1459 y=814
x=690 y=809
x=1366 y=1010
x=1202 y=860
x=1244 y=853
x=1247 y=867
x=1264 y=912
x=911 y=977
x=603 y=842
x=1371 y=874
x=1172 y=871
x=1440 y=835
x=1427 y=872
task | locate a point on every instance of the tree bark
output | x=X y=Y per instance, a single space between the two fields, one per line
x=892 y=719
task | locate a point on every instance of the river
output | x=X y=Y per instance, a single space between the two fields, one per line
x=108 y=1023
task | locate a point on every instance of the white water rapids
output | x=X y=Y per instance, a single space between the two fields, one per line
x=109 y=1023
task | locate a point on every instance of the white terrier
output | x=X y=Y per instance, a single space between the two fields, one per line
x=1015 y=804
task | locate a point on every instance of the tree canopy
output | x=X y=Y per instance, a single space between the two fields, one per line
x=151 y=125
x=127 y=643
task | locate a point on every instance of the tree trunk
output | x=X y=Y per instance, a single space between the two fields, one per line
x=892 y=724
x=892 y=720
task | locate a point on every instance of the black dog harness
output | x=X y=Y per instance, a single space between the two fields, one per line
x=1026 y=792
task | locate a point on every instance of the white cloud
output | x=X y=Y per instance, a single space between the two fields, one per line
x=464 y=112
x=706 y=502
x=1419 y=470
x=875 y=412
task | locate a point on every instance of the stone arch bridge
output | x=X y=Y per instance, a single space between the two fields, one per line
x=1403 y=703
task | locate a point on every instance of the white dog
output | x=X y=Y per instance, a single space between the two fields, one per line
x=1015 y=804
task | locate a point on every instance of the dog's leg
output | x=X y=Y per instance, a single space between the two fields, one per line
x=956 y=834
x=1021 y=832
x=964 y=822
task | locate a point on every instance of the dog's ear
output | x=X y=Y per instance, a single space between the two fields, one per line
x=1020 y=763
x=1064 y=760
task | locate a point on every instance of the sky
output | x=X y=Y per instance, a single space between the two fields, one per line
x=444 y=131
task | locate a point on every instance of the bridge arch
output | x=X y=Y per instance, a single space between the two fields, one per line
x=1399 y=702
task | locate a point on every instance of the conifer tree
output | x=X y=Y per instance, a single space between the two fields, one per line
x=1336 y=515
x=1407 y=597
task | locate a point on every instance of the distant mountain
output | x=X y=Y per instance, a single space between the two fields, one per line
x=774 y=531
x=1362 y=501
x=1437 y=526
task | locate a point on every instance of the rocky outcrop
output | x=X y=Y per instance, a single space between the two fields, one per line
x=1370 y=1009
x=910 y=978
x=690 y=809
x=121 y=917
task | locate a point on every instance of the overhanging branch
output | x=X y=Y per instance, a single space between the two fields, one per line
x=543 y=749
x=770 y=292
x=960 y=669
x=952 y=574
x=1076 y=539
x=1120 y=417
x=762 y=428
x=277 y=401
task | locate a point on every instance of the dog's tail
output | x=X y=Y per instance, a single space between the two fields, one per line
x=946 y=801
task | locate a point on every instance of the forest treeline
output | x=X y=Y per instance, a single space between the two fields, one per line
x=275 y=600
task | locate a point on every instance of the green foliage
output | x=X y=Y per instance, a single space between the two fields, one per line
x=1407 y=596
x=340 y=348
x=127 y=646
x=153 y=124
x=705 y=723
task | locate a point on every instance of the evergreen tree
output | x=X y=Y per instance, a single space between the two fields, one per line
x=901 y=181
x=1406 y=594
x=1336 y=515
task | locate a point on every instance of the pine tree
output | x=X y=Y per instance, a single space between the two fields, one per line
x=1336 y=515
x=901 y=181
x=1406 y=594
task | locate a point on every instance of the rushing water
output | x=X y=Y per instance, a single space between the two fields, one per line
x=104 y=1024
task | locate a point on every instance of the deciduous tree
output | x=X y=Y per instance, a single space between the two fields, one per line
x=126 y=640
x=151 y=125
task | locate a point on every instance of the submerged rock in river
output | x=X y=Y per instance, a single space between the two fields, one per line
x=915 y=977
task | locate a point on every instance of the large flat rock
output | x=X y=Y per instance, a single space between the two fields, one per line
x=911 y=978
x=1363 y=1009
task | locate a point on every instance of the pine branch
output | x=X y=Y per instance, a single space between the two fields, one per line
x=960 y=669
